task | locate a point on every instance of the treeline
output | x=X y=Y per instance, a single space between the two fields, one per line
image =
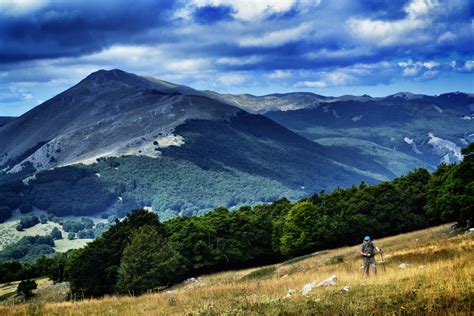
x=141 y=253
x=51 y=267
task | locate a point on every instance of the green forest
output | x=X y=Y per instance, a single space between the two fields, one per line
x=142 y=253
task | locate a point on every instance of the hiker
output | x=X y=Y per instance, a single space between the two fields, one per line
x=368 y=255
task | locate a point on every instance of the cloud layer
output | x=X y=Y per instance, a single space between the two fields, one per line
x=237 y=46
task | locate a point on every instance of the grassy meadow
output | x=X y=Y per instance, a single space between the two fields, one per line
x=439 y=278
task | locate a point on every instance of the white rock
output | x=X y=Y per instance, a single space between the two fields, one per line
x=403 y=265
x=331 y=281
x=308 y=287
x=290 y=293
x=191 y=280
x=346 y=288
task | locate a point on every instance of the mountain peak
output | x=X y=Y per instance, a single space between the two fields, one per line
x=106 y=77
x=406 y=95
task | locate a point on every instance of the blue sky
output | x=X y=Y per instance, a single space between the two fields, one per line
x=376 y=47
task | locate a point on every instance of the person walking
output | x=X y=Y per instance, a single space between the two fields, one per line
x=367 y=252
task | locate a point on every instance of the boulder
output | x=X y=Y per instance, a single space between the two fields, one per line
x=331 y=281
x=191 y=280
x=290 y=293
x=403 y=265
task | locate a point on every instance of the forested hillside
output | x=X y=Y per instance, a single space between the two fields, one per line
x=141 y=253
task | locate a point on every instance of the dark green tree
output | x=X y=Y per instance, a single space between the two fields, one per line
x=451 y=190
x=92 y=271
x=148 y=262
x=56 y=234
x=26 y=288
x=71 y=235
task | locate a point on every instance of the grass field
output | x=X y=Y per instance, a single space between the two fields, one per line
x=439 y=279
x=9 y=234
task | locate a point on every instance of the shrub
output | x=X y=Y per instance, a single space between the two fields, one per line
x=86 y=234
x=56 y=234
x=73 y=226
x=43 y=219
x=26 y=288
x=28 y=221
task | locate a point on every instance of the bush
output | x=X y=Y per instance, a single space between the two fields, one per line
x=28 y=221
x=43 y=219
x=56 y=234
x=73 y=226
x=26 y=288
x=86 y=234
x=87 y=222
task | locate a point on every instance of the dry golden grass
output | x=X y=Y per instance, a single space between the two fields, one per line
x=439 y=279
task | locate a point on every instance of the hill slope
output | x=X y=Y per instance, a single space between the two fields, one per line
x=437 y=279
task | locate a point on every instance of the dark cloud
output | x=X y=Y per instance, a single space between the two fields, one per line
x=75 y=28
x=213 y=14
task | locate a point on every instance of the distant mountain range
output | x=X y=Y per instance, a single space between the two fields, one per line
x=147 y=142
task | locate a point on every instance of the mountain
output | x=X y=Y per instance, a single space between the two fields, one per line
x=118 y=141
x=271 y=102
x=5 y=119
x=431 y=129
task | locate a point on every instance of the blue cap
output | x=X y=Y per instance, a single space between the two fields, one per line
x=367 y=238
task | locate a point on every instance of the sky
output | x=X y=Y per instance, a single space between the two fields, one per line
x=328 y=47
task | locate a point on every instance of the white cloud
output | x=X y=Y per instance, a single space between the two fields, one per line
x=411 y=71
x=339 y=53
x=430 y=74
x=446 y=37
x=20 y=7
x=469 y=65
x=431 y=64
x=422 y=70
x=328 y=79
x=277 y=38
x=232 y=79
x=418 y=8
x=386 y=33
x=312 y=84
x=235 y=61
x=415 y=28
x=279 y=74
x=187 y=65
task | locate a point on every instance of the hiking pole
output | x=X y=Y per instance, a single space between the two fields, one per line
x=383 y=261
